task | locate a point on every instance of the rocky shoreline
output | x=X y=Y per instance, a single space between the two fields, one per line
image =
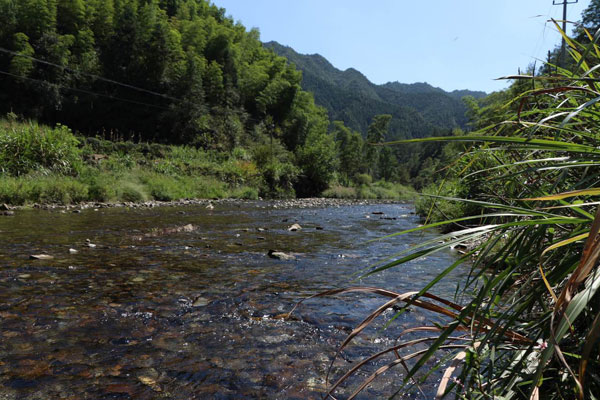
x=209 y=203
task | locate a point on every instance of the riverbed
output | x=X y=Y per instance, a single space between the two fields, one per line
x=184 y=303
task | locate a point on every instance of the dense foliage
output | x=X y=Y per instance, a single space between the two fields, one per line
x=52 y=165
x=176 y=71
x=416 y=109
x=181 y=72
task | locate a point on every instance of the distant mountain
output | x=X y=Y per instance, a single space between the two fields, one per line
x=418 y=109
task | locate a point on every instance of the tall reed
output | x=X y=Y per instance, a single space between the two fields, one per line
x=528 y=324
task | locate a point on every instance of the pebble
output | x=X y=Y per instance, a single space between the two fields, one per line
x=282 y=204
x=201 y=302
x=279 y=255
x=41 y=257
x=294 y=228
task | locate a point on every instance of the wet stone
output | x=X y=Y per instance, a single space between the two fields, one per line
x=279 y=255
x=201 y=302
x=41 y=257
x=294 y=228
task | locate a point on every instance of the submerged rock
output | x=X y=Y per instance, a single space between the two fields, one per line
x=200 y=302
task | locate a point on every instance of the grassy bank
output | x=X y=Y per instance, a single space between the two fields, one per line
x=51 y=165
x=39 y=164
x=377 y=191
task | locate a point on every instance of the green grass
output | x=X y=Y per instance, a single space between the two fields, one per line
x=380 y=190
x=42 y=189
x=29 y=147
x=40 y=164
x=50 y=165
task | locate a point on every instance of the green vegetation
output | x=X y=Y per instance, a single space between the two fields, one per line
x=525 y=323
x=381 y=190
x=45 y=165
x=171 y=72
x=52 y=165
x=416 y=109
x=182 y=73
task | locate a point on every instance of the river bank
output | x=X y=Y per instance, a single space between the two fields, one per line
x=43 y=165
x=208 y=203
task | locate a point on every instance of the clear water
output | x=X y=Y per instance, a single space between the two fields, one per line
x=158 y=312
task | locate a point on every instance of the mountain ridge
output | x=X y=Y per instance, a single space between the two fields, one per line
x=418 y=109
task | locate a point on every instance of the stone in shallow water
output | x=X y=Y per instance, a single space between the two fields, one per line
x=200 y=302
x=41 y=257
x=294 y=228
x=280 y=255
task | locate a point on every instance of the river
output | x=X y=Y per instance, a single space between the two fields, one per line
x=146 y=306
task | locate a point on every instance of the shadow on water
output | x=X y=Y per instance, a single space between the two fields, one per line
x=156 y=312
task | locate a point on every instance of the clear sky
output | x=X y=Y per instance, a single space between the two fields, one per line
x=452 y=44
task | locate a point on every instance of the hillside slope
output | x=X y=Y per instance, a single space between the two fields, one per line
x=417 y=109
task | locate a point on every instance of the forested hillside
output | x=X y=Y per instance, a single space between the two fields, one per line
x=181 y=72
x=416 y=109
x=169 y=71
x=173 y=71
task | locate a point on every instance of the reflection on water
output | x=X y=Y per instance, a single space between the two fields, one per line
x=157 y=312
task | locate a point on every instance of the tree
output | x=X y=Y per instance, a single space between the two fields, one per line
x=387 y=164
x=21 y=64
x=349 y=148
x=318 y=162
x=375 y=135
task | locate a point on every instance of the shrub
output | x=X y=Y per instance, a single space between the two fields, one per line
x=340 y=192
x=208 y=188
x=435 y=209
x=101 y=186
x=164 y=188
x=131 y=192
x=29 y=147
x=245 y=192
x=363 y=179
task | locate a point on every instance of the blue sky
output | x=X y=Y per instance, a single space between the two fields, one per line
x=458 y=44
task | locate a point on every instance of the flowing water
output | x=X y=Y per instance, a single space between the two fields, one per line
x=154 y=310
